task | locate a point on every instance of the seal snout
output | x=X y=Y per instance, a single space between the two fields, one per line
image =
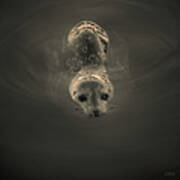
x=96 y=113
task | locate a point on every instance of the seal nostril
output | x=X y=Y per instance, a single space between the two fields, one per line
x=96 y=113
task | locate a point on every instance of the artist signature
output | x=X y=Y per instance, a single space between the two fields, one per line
x=171 y=173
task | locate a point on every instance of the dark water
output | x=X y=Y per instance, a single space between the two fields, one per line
x=42 y=136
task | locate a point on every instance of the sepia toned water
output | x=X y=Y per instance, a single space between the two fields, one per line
x=44 y=135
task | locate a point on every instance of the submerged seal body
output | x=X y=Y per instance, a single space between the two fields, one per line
x=91 y=87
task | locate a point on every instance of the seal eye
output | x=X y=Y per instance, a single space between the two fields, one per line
x=104 y=97
x=82 y=98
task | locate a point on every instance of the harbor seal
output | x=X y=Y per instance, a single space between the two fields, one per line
x=91 y=87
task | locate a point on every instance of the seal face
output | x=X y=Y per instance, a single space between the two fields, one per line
x=90 y=88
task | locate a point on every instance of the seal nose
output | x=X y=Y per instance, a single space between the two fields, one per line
x=96 y=113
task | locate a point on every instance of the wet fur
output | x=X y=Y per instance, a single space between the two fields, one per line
x=92 y=79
